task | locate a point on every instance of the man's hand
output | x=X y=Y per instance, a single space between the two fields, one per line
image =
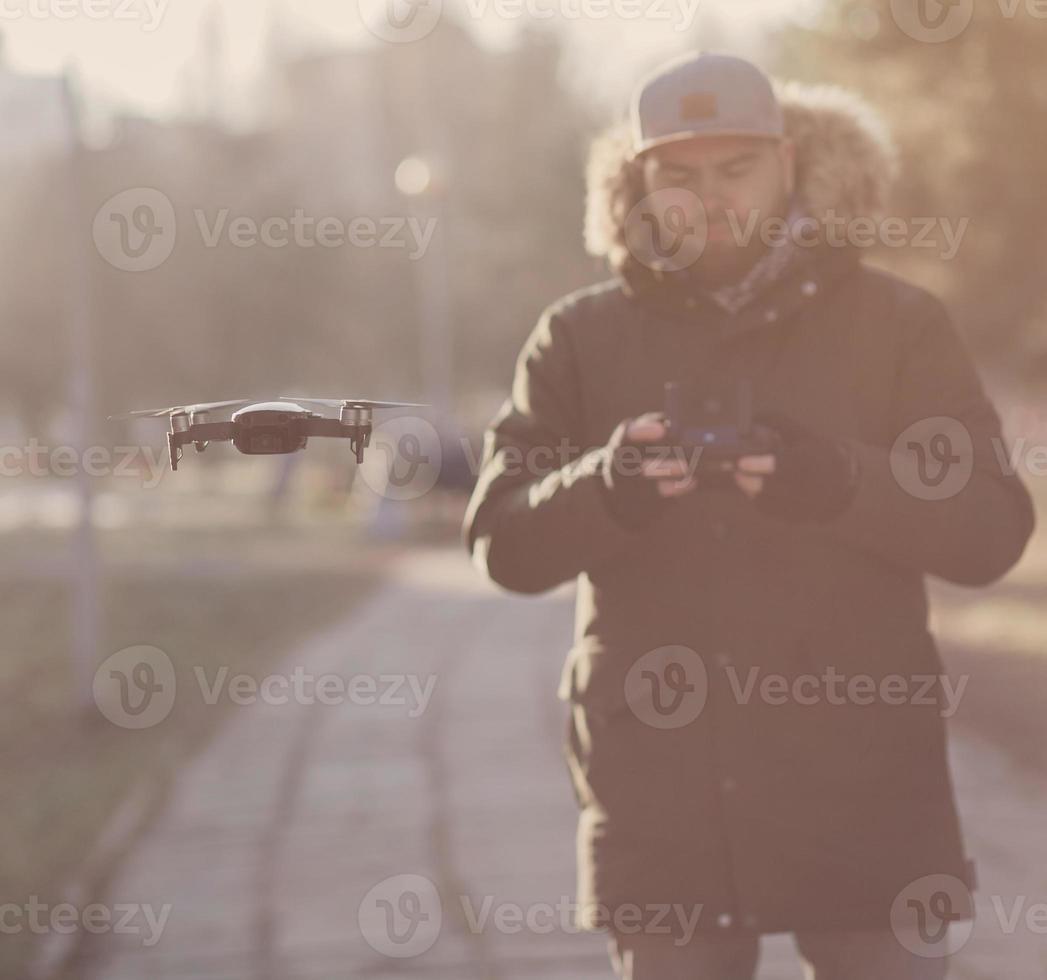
x=750 y=473
x=638 y=488
x=813 y=477
x=672 y=476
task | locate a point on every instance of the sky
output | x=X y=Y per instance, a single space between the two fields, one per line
x=143 y=56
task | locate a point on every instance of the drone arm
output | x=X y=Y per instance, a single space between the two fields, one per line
x=329 y=428
x=201 y=433
x=358 y=435
x=207 y=432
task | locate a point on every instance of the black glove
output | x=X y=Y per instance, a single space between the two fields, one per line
x=815 y=477
x=633 y=499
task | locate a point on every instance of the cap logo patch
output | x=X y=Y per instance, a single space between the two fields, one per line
x=698 y=105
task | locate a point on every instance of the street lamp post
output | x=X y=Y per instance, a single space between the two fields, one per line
x=86 y=604
x=417 y=180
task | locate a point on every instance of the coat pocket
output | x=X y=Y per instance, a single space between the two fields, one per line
x=603 y=741
x=633 y=738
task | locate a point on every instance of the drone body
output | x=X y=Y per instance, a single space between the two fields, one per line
x=273 y=428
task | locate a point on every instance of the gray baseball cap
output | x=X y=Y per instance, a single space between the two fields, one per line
x=708 y=95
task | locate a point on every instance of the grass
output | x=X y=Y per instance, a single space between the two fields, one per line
x=205 y=598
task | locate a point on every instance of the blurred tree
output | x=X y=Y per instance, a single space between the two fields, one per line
x=215 y=320
x=970 y=115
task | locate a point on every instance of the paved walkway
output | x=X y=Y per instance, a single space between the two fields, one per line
x=298 y=816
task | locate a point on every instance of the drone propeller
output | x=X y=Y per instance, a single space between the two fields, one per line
x=151 y=413
x=353 y=402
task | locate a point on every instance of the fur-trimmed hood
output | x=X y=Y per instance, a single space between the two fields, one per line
x=846 y=164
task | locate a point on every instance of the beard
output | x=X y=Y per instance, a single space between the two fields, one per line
x=726 y=260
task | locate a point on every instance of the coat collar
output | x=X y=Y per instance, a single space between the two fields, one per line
x=682 y=300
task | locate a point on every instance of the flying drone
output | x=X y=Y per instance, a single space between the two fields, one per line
x=268 y=428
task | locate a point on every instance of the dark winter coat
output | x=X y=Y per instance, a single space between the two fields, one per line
x=773 y=814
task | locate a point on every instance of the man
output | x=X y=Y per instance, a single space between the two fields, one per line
x=756 y=738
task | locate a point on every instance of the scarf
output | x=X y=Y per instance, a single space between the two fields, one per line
x=779 y=259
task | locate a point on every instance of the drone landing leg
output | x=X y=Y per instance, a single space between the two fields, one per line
x=362 y=442
x=174 y=451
